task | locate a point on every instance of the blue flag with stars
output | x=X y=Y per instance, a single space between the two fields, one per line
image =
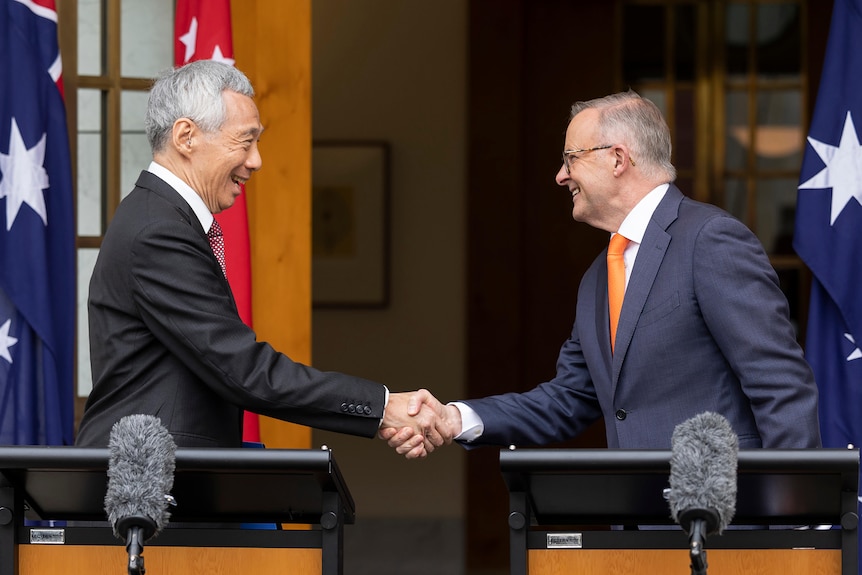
x=828 y=233
x=37 y=242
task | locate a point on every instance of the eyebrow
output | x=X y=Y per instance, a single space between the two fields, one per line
x=253 y=131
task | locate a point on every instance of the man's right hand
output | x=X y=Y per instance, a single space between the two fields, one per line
x=445 y=419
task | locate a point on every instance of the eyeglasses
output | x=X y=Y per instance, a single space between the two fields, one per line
x=569 y=155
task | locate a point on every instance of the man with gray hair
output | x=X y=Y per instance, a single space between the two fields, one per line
x=682 y=314
x=165 y=336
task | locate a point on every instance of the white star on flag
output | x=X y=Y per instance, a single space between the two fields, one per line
x=219 y=57
x=5 y=341
x=857 y=353
x=190 y=39
x=24 y=176
x=843 y=171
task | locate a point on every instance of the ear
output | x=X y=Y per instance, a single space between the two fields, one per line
x=181 y=135
x=622 y=159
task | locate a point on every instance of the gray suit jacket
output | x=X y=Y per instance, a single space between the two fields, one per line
x=166 y=339
x=703 y=327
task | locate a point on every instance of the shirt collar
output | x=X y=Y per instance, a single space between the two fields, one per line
x=188 y=194
x=635 y=225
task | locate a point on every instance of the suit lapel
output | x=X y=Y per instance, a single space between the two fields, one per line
x=602 y=317
x=650 y=256
x=158 y=186
x=161 y=188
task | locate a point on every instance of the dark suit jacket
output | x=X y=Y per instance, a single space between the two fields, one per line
x=166 y=339
x=703 y=327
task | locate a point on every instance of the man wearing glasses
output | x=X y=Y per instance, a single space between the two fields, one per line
x=692 y=321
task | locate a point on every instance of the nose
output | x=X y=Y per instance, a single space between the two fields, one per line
x=254 y=161
x=562 y=176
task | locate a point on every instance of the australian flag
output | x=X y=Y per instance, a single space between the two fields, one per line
x=37 y=242
x=829 y=230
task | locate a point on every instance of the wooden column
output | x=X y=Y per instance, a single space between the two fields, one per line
x=272 y=45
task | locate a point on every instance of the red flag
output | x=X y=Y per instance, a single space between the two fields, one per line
x=202 y=32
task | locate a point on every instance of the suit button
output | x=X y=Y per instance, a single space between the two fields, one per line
x=621 y=414
x=344 y=407
x=351 y=408
x=367 y=410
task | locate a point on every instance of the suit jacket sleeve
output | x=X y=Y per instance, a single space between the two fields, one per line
x=747 y=314
x=555 y=410
x=186 y=303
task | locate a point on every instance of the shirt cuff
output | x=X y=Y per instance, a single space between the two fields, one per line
x=385 y=403
x=472 y=426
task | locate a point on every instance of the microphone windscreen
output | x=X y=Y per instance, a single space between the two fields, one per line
x=703 y=464
x=141 y=464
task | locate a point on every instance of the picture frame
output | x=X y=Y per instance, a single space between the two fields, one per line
x=350 y=224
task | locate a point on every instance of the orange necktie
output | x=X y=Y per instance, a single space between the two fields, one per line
x=616 y=281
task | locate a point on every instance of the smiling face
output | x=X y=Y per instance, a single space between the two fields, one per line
x=590 y=175
x=224 y=160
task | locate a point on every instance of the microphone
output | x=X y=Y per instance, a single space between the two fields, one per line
x=141 y=464
x=702 y=494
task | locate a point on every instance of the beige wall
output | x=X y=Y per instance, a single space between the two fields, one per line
x=396 y=71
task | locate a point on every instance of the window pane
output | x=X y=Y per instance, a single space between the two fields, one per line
x=86 y=262
x=135 y=152
x=684 y=124
x=657 y=98
x=89 y=188
x=776 y=207
x=147 y=30
x=738 y=135
x=686 y=46
x=736 y=36
x=643 y=46
x=89 y=37
x=779 y=133
x=778 y=40
x=736 y=198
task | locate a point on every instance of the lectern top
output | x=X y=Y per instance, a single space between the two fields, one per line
x=616 y=486
x=210 y=484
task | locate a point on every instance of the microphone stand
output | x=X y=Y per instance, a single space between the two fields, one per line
x=696 y=551
x=136 y=529
x=135 y=549
x=698 y=523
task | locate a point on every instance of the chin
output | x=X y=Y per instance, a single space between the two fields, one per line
x=576 y=216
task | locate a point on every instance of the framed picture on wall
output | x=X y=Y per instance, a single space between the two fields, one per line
x=350 y=224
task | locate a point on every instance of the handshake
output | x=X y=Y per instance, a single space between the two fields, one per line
x=415 y=423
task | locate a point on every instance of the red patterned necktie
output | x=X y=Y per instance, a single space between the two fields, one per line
x=616 y=281
x=217 y=244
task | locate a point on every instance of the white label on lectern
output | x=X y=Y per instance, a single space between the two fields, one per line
x=48 y=536
x=565 y=541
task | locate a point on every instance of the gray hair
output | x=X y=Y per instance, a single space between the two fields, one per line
x=192 y=91
x=639 y=124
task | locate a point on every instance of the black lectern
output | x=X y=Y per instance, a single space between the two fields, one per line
x=567 y=499
x=218 y=492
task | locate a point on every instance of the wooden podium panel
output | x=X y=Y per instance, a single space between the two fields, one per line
x=676 y=561
x=110 y=560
